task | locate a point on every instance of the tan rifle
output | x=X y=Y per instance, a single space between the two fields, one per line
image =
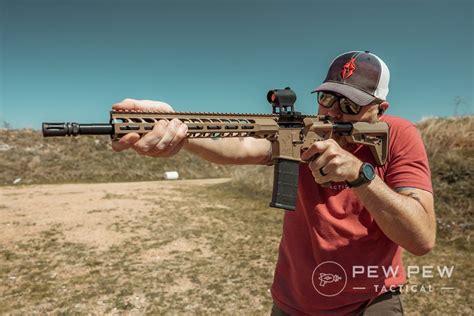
x=290 y=133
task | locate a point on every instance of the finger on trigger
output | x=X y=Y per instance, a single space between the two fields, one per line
x=316 y=148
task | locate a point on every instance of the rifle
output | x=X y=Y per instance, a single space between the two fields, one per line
x=289 y=131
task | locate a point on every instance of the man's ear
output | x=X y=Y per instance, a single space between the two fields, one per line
x=383 y=107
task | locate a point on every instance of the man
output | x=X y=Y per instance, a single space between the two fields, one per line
x=340 y=252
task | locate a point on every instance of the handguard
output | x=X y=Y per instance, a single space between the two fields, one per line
x=289 y=131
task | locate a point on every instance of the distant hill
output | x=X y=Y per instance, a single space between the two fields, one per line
x=28 y=158
x=27 y=155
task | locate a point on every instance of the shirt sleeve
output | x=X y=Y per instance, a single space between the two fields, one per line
x=408 y=165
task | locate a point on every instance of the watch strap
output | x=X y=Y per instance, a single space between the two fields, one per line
x=357 y=182
x=362 y=179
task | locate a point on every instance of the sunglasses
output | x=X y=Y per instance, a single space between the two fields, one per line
x=346 y=105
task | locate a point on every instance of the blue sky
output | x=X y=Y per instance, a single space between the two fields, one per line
x=71 y=60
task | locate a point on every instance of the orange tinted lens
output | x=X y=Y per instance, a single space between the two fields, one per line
x=348 y=107
x=326 y=100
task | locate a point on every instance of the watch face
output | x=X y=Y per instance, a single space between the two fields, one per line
x=368 y=171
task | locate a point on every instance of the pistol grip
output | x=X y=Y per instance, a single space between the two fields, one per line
x=325 y=184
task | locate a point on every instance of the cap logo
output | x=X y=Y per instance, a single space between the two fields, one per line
x=348 y=69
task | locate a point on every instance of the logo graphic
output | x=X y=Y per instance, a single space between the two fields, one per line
x=329 y=278
x=348 y=69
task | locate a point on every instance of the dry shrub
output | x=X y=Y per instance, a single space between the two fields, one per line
x=448 y=134
x=450 y=146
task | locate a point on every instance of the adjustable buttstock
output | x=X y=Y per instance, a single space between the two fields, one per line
x=374 y=135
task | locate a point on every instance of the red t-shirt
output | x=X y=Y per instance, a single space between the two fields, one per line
x=333 y=256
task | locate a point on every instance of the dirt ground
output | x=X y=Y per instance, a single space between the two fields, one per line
x=32 y=209
x=167 y=247
x=155 y=247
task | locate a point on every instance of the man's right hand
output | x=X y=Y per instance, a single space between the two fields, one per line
x=165 y=140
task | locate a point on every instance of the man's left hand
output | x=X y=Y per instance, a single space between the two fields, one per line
x=328 y=162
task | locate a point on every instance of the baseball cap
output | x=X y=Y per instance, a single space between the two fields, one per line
x=359 y=76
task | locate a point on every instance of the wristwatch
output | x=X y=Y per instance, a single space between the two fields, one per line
x=366 y=175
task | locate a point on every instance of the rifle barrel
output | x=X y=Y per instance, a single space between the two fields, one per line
x=74 y=129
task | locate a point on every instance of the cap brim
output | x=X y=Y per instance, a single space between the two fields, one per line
x=356 y=95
